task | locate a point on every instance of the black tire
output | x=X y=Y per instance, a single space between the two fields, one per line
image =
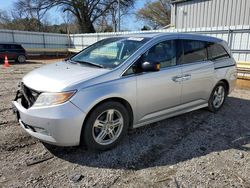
x=88 y=129
x=211 y=106
x=21 y=59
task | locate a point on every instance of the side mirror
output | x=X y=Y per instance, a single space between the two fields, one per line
x=150 y=67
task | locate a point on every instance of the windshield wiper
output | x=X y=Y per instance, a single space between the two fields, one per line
x=90 y=63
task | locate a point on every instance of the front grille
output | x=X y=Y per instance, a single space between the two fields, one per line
x=29 y=96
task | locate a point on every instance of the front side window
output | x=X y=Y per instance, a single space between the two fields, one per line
x=163 y=53
x=14 y=47
x=109 y=53
x=194 y=51
x=216 y=52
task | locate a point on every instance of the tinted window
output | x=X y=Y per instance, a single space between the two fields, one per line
x=4 y=46
x=216 y=51
x=13 y=46
x=7 y=46
x=163 y=53
x=194 y=51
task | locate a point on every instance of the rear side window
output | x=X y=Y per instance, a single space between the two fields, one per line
x=4 y=46
x=194 y=51
x=216 y=52
x=7 y=46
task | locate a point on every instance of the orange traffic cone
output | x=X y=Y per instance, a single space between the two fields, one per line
x=6 y=62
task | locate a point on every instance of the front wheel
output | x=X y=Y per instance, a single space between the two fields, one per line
x=106 y=126
x=21 y=59
x=217 y=97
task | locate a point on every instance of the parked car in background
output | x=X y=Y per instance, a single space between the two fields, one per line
x=124 y=82
x=13 y=51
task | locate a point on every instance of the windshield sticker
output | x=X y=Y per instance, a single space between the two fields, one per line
x=135 y=38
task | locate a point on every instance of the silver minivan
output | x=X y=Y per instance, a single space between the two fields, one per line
x=124 y=82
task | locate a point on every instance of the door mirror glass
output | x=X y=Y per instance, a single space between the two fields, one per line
x=150 y=66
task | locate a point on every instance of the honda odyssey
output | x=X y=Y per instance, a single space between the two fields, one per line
x=121 y=83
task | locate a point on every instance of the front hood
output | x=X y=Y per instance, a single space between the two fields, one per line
x=58 y=76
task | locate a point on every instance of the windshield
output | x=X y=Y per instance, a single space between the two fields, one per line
x=109 y=53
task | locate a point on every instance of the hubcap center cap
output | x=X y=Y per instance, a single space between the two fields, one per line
x=108 y=126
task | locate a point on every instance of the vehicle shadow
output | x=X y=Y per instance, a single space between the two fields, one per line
x=172 y=140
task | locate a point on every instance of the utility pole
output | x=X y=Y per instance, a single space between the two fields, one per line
x=119 y=16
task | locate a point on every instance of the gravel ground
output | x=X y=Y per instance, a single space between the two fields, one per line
x=197 y=149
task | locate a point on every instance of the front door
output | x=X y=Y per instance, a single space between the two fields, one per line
x=161 y=90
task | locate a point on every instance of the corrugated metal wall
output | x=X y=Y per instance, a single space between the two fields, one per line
x=33 y=40
x=238 y=38
x=210 y=13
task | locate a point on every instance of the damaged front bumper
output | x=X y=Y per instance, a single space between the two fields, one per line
x=59 y=124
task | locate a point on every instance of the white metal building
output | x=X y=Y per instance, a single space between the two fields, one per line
x=210 y=13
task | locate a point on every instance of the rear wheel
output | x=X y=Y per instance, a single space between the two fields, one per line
x=106 y=126
x=21 y=59
x=217 y=97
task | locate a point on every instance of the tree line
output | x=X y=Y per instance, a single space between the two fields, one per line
x=82 y=16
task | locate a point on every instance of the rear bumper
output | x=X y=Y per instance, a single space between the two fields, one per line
x=58 y=125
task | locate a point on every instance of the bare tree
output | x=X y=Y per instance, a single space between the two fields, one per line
x=125 y=7
x=32 y=9
x=4 y=17
x=102 y=24
x=156 y=14
x=87 y=12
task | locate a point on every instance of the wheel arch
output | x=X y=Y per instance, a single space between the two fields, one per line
x=124 y=102
x=226 y=84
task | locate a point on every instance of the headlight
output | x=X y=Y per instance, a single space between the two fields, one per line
x=49 y=99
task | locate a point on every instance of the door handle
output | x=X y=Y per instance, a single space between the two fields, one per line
x=177 y=78
x=186 y=77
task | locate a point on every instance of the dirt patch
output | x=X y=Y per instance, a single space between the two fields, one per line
x=197 y=149
x=243 y=83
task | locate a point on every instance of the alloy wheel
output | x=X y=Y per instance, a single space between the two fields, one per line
x=21 y=59
x=219 y=96
x=107 y=127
